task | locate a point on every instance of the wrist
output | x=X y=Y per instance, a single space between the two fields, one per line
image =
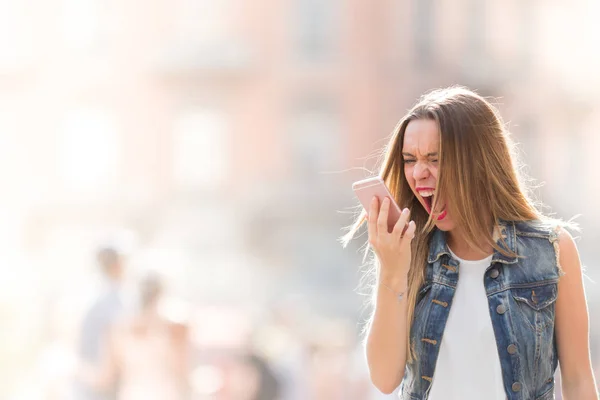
x=398 y=283
x=398 y=294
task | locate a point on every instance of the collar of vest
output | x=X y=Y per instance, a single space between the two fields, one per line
x=504 y=234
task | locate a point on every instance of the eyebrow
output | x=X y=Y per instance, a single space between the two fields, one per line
x=434 y=154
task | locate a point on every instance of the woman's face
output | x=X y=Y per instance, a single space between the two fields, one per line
x=421 y=168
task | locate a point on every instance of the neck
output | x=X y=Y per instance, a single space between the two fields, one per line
x=457 y=242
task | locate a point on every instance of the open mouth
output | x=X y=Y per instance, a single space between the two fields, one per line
x=428 y=203
x=429 y=200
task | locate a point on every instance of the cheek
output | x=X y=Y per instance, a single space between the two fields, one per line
x=408 y=173
x=433 y=171
x=408 y=176
x=410 y=180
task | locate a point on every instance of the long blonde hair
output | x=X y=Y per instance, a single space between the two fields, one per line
x=478 y=177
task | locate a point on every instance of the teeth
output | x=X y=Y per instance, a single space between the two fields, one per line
x=426 y=193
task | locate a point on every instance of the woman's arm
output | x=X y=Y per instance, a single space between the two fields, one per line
x=387 y=340
x=572 y=326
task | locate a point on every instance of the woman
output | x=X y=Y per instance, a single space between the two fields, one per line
x=518 y=308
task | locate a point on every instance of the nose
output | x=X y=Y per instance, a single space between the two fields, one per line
x=421 y=171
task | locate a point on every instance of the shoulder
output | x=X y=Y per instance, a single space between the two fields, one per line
x=567 y=254
x=565 y=240
x=544 y=229
x=549 y=239
x=556 y=234
x=554 y=230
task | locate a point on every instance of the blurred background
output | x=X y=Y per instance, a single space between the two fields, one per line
x=213 y=144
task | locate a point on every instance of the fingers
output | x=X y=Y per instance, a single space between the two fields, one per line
x=402 y=222
x=408 y=236
x=382 y=220
x=372 y=218
x=404 y=230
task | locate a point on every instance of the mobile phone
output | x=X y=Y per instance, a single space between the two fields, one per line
x=375 y=186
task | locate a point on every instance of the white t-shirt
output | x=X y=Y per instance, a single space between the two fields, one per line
x=468 y=365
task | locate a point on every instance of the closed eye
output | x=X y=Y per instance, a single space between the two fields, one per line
x=409 y=161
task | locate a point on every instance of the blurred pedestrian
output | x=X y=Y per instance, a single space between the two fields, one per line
x=147 y=351
x=97 y=322
x=268 y=386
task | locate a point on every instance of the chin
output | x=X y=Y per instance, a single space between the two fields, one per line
x=445 y=224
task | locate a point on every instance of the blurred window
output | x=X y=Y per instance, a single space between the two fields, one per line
x=9 y=134
x=315 y=26
x=315 y=138
x=527 y=27
x=203 y=22
x=200 y=153
x=423 y=32
x=16 y=34
x=88 y=24
x=13 y=166
x=476 y=34
x=89 y=151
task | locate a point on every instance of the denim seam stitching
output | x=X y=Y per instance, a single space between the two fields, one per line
x=535 y=235
x=538 y=350
x=523 y=286
x=444 y=283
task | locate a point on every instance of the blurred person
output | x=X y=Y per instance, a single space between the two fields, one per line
x=519 y=306
x=97 y=322
x=269 y=386
x=283 y=342
x=253 y=379
x=147 y=351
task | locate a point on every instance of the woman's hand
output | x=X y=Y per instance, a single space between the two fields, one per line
x=392 y=249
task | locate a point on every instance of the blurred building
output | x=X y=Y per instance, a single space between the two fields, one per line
x=211 y=125
x=219 y=127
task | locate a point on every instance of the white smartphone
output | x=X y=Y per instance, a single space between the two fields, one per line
x=375 y=186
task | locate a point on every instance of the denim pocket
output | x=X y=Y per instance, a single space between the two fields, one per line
x=536 y=303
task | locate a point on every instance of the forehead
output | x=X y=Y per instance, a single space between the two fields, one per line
x=421 y=137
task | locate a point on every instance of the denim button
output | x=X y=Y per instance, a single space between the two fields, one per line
x=512 y=349
x=501 y=309
x=494 y=273
x=516 y=387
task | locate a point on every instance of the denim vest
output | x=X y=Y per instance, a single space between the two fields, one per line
x=521 y=293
